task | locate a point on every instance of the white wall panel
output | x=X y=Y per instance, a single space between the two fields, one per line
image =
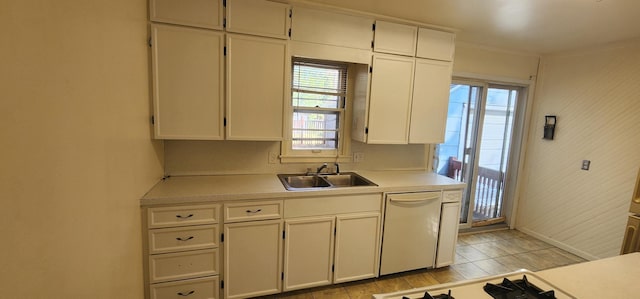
x=595 y=95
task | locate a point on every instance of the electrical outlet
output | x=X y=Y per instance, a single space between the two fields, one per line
x=358 y=157
x=273 y=158
x=586 y=164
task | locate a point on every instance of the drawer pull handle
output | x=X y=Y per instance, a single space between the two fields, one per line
x=186 y=239
x=254 y=211
x=184 y=217
x=186 y=294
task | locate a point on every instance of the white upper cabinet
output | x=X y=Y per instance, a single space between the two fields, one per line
x=258 y=17
x=395 y=38
x=329 y=28
x=187 y=71
x=256 y=69
x=197 y=13
x=390 y=99
x=433 y=44
x=430 y=101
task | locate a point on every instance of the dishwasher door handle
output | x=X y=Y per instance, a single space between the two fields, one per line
x=414 y=197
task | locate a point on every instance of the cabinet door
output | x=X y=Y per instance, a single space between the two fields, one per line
x=252 y=258
x=435 y=44
x=187 y=70
x=255 y=87
x=357 y=253
x=329 y=28
x=449 y=221
x=390 y=99
x=395 y=38
x=259 y=17
x=308 y=252
x=430 y=101
x=197 y=13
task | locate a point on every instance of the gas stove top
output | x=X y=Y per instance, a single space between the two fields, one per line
x=522 y=284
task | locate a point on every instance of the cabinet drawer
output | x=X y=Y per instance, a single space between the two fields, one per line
x=200 y=288
x=165 y=240
x=190 y=264
x=249 y=211
x=183 y=215
x=452 y=196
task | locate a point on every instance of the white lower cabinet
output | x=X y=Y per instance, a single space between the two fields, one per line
x=271 y=246
x=449 y=223
x=357 y=247
x=253 y=258
x=340 y=244
x=252 y=249
x=308 y=251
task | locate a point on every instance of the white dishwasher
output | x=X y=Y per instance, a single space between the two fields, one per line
x=410 y=235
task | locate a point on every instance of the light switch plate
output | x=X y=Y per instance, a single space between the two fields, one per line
x=358 y=157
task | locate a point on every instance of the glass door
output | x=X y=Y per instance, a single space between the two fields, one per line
x=478 y=140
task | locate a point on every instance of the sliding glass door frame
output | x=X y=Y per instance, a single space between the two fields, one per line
x=516 y=137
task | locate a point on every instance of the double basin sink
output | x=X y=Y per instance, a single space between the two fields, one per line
x=323 y=181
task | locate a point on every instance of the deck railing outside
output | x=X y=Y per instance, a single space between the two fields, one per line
x=488 y=195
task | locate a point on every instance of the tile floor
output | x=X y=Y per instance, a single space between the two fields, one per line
x=477 y=255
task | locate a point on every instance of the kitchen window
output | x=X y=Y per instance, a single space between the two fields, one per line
x=319 y=102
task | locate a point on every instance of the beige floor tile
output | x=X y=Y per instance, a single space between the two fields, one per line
x=476 y=238
x=469 y=270
x=508 y=234
x=362 y=290
x=460 y=259
x=510 y=247
x=490 y=249
x=470 y=253
x=492 y=267
x=555 y=257
x=334 y=292
x=530 y=243
x=392 y=284
x=419 y=280
x=513 y=262
x=570 y=256
x=446 y=274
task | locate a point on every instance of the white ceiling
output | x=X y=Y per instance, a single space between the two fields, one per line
x=535 y=26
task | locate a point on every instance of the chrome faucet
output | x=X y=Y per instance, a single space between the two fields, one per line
x=324 y=165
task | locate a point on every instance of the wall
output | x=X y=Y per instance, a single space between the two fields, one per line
x=481 y=62
x=594 y=94
x=233 y=157
x=76 y=154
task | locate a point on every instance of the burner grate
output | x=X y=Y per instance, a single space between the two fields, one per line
x=517 y=289
x=428 y=296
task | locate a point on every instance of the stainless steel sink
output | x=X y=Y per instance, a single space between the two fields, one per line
x=323 y=181
x=303 y=181
x=348 y=180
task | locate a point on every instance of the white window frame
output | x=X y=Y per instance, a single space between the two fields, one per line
x=343 y=151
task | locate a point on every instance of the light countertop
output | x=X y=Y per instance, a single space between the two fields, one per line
x=194 y=189
x=615 y=277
